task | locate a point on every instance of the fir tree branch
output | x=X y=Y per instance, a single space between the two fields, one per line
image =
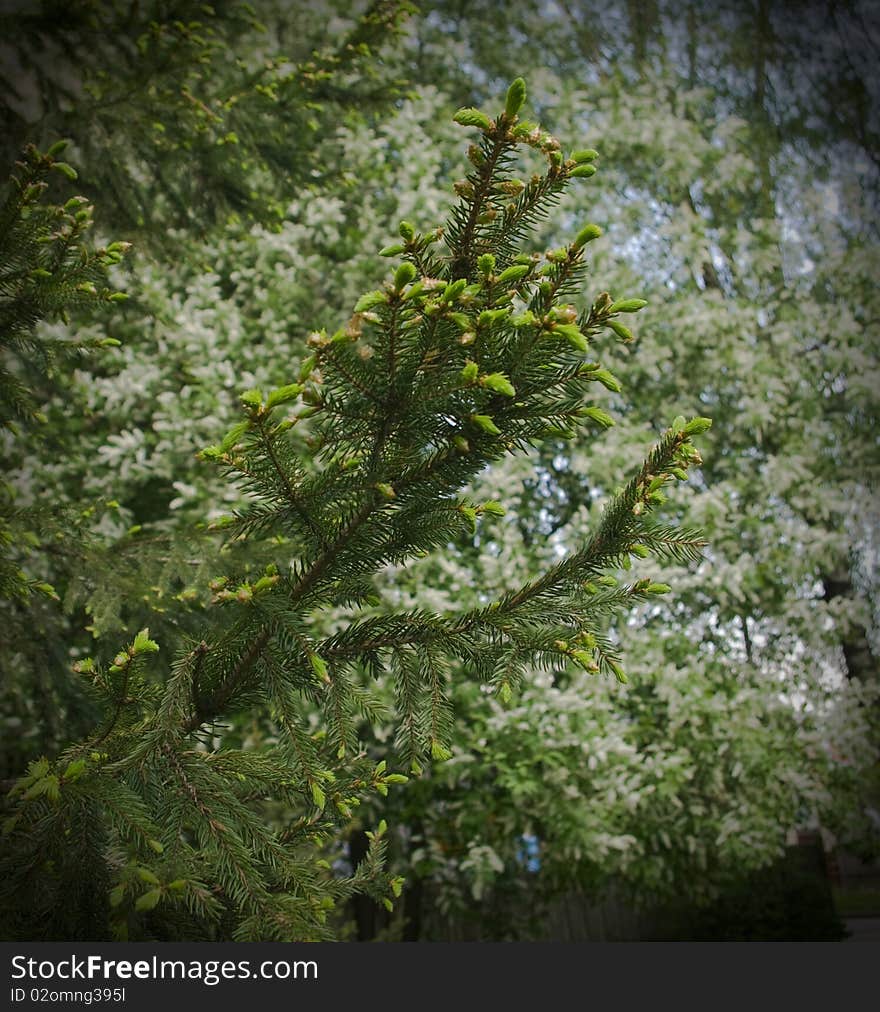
x=293 y=499
x=211 y=708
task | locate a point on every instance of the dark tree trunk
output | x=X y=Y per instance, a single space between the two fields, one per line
x=363 y=907
x=857 y=654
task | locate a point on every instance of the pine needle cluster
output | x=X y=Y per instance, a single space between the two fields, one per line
x=154 y=826
x=48 y=268
x=185 y=112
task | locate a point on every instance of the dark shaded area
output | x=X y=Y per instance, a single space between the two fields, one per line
x=790 y=900
x=186 y=114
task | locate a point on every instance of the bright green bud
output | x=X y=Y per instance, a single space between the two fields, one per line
x=697 y=425
x=485 y=423
x=572 y=334
x=454 y=289
x=486 y=263
x=56 y=149
x=499 y=383
x=678 y=424
x=143 y=644
x=624 y=333
x=587 y=234
x=252 y=398
x=75 y=770
x=586 y=155
x=514 y=273
x=627 y=306
x=439 y=752
x=524 y=127
x=319 y=666
x=606 y=379
x=472 y=118
x=516 y=96
x=557 y=432
x=598 y=416
x=658 y=588
x=283 y=395
x=407 y=231
x=149 y=900
x=489 y=317
x=405 y=273
x=392 y=251
x=318 y=795
x=469 y=373
x=526 y=319
x=470 y=515
x=583 y=171
x=233 y=436
x=385 y=490
x=65 y=170
x=370 y=300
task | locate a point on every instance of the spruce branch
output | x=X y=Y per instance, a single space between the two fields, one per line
x=364 y=462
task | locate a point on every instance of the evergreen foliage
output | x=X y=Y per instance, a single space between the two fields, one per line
x=187 y=114
x=47 y=268
x=185 y=124
x=751 y=224
x=154 y=825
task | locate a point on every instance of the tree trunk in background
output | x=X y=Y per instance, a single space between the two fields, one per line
x=643 y=23
x=857 y=654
